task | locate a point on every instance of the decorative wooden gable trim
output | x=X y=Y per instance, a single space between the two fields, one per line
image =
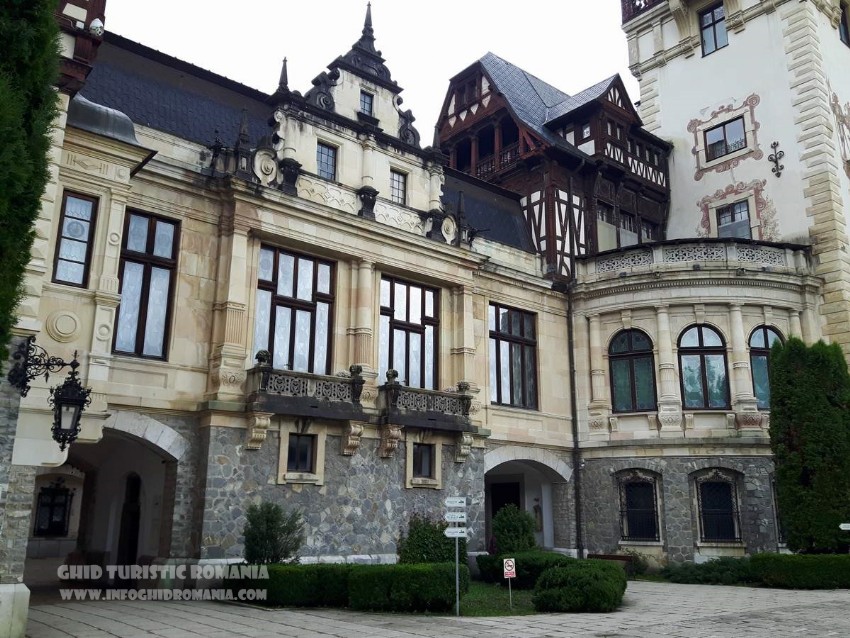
x=617 y=97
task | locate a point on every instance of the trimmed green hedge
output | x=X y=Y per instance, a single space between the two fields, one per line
x=719 y=571
x=423 y=587
x=802 y=571
x=580 y=586
x=529 y=566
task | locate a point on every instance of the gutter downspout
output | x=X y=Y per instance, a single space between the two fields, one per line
x=577 y=462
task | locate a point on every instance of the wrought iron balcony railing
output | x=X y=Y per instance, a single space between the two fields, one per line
x=431 y=409
x=632 y=8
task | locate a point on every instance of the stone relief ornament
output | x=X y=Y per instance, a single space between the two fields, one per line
x=265 y=168
x=464 y=447
x=351 y=438
x=258 y=426
x=390 y=436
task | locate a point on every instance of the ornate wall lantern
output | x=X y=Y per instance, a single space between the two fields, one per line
x=67 y=400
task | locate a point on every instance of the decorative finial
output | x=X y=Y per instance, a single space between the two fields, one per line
x=367 y=26
x=283 y=84
x=436 y=143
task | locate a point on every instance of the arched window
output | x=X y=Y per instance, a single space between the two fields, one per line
x=632 y=372
x=702 y=366
x=638 y=506
x=717 y=501
x=761 y=341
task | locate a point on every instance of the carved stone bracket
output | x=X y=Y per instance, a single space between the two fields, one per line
x=390 y=436
x=669 y=420
x=464 y=447
x=258 y=426
x=749 y=420
x=290 y=169
x=351 y=438
x=367 y=196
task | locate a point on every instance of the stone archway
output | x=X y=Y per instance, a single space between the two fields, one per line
x=166 y=439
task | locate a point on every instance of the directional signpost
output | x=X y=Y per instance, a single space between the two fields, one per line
x=845 y=527
x=509 y=565
x=456 y=532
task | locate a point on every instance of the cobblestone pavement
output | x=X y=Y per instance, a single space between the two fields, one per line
x=649 y=610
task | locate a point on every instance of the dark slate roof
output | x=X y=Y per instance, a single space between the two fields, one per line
x=580 y=99
x=494 y=212
x=167 y=94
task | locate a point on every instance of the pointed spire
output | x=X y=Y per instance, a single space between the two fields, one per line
x=367 y=40
x=435 y=144
x=367 y=26
x=283 y=84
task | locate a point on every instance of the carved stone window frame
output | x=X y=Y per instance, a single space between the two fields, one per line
x=298 y=426
x=423 y=437
x=723 y=114
x=638 y=475
x=717 y=474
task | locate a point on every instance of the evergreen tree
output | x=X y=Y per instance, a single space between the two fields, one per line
x=29 y=63
x=810 y=438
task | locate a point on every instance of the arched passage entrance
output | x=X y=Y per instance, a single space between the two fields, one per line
x=535 y=480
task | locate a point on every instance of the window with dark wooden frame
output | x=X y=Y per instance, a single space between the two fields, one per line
x=53 y=510
x=761 y=341
x=718 y=509
x=75 y=236
x=844 y=25
x=367 y=101
x=408 y=334
x=632 y=372
x=423 y=460
x=294 y=310
x=734 y=220
x=712 y=23
x=398 y=187
x=638 y=509
x=301 y=455
x=702 y=369
x=326 y=161
x=725 y=138
x=147 y=274
x=513 y=357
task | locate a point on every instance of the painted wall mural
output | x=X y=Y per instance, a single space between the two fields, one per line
x=765 y=211
x=842 y=125
x=746 y=111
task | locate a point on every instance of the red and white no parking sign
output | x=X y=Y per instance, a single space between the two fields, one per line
x=510 y=568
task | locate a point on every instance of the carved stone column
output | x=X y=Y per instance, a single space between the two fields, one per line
x=362 y=329
x=744 y=402
x=463 y=337
x=368 y=146
x=435 y=190
x=599 y=407
x=808 y=324
x=669 y=402
x=796 y=325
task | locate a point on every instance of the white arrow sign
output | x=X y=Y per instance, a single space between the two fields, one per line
x=456 y=501
x=455 y=517
x=845 y=527
x=456 y=532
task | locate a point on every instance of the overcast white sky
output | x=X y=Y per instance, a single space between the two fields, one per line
x=570 y=44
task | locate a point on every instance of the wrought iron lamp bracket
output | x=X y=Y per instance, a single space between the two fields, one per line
x=32 y=361
x=775 y=157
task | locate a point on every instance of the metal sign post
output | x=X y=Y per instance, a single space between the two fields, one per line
x=509 y=566
x=456 y=532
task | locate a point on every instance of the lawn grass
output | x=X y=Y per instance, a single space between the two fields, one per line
x=490 y=599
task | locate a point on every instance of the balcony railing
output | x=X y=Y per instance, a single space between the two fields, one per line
x=415 y=407
x=507 y=157
x=632 y=8
x=304 y=394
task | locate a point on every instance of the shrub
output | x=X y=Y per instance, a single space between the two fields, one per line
x=425 y=542
x=580 y=586
x=795 y=571
x=720 y=571
x=406 y=588
x=271 y=535
x=529 y=566
x=513 y=530
x=321 y=585
x=638 y=565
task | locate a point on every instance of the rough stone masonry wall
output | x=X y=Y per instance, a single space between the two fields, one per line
x=360 y=510
x=17 y=484
x=678 y=518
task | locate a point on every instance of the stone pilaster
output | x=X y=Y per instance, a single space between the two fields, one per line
x=669 y=402
x=362 y=328
x=463 y=337
x=744 y=402
x=599 y=407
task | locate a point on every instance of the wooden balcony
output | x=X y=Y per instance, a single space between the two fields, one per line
x=507 y=157
x=303 y=394
x=430 y=409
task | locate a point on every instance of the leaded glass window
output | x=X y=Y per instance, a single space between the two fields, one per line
x=76 y=231
x=632 y=372
x=294 y=305
x=761 y=341
x=702 y=368
x=408 y=332
x=513 y=357
x=147 y=273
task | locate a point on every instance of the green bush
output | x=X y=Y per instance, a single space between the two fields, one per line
x=405 y=588
x=513 y=530
x=580 y=586
x=426 y=542
x=720 y=571
x=320 y=585
x=271 y=535
x=797 y=571
x=529 y=566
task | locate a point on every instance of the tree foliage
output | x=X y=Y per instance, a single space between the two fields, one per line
x=29 y=62
x=426 y=542
x=810 y=438
x=513 y=530
x=272 y=535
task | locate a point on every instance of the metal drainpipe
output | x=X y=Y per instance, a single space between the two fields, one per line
x=577 y=463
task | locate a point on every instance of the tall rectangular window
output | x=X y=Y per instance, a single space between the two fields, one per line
x=712 y=24
x=326 y=161
x=408 y=333
x=76 y=231
x=734 y=220
x=366 y=102
x=301 y=455
x=423 y=460
x=398 y=187
x=725 y=138
x=148 y=265
x=844 y=25
x=513 y=357
x=53 y=510
x=294 y=310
